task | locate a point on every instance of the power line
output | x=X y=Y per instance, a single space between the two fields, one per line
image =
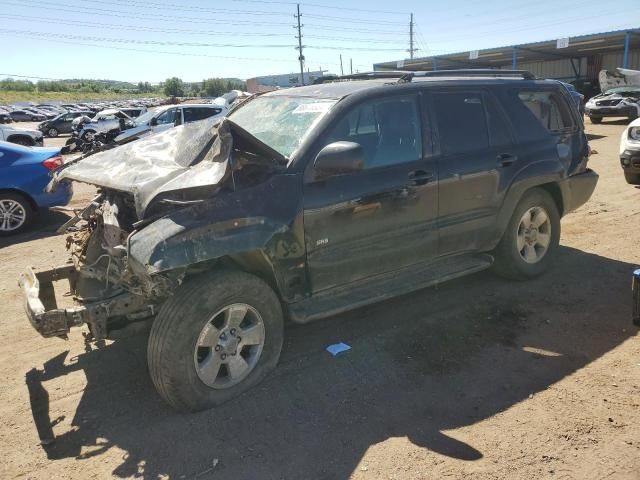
x=318 y=5
x=163 y=52
x=143 y=42
x=146 y=16
x=78 y=23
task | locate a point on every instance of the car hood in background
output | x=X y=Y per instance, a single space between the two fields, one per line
x=622 y=77
x=187 y=156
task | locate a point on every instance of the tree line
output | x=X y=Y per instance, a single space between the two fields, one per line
x=211 y=87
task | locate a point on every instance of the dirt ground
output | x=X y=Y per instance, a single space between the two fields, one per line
x=480 y=378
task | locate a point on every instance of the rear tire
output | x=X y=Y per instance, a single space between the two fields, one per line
x=531 y=238
x=15 y=214
x=201 y=312
x=595 y=119
x=632 y=178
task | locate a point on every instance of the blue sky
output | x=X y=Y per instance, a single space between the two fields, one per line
x=151 y=40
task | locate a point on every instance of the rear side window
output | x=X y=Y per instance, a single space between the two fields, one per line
x=193 y=114
x=549 y=110
x=461 y=120
x=499 y=133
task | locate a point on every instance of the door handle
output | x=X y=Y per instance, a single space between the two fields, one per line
x=420 y=177
x=506 y=159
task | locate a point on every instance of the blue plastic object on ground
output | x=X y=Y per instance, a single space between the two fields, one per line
x=337 y=348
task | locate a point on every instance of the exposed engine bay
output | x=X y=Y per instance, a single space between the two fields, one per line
x=112 y=292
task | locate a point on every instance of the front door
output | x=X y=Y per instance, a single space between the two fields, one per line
x=382 y=218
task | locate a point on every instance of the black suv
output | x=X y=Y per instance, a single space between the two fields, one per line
x=62 y=123
x=307 y=202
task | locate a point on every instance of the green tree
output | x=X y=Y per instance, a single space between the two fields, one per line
x=174 y=87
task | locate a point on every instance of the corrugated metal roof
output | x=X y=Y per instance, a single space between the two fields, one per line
x=578 y=47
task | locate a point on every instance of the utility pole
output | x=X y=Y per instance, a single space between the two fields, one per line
x=411 y=49
x=341 y=70
x=351 y=65
x=299 y=47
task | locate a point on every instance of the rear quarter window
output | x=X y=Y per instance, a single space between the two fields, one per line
x=534 y=115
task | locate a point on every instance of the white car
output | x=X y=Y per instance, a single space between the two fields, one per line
x=170 y=116
x=630 y=152
x=21 y=136
x=105 y=121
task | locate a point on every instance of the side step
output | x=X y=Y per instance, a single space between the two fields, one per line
x=388 y=285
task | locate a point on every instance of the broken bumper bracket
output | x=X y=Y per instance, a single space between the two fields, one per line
x=51 y=321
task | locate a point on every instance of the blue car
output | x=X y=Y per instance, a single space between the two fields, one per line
x=24 y=173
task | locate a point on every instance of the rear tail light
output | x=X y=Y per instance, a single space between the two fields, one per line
x=53 y=163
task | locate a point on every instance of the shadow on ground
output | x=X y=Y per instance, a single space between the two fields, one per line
x=427 y=362
x=44 y=225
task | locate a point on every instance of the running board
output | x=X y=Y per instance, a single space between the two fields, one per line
x=340 y=299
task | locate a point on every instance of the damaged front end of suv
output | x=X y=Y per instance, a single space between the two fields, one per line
x=121 y=266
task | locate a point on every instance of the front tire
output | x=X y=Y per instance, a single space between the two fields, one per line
x=531 y=238
x=216 y=337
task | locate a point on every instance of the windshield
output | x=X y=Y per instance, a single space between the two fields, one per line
x=281 y=122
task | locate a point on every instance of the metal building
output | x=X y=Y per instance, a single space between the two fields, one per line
x=572 y=59
x=271 y=82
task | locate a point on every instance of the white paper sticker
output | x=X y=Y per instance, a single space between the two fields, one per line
x=473 y=54
x=562 y=43
x=319 y=107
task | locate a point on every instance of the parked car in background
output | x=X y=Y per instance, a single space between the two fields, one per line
x=310 y=201
x=5 y=118
x=630 y=152
x=61 y=124
x=26 y=116
x=21 y=136
x=24 y=174
x=37 y=111
x=171 y=116
x=616 y=102
x=134 y=112
x=103 y=122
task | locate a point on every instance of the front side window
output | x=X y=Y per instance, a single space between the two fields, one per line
x=280 y=121
x=167 y=117
x=461 y=120
x=388 y=131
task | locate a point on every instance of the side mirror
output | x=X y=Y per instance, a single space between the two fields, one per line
x=153 y=122
x=339 y=158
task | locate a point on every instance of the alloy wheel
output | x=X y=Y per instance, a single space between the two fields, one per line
x=229 y=346
x=534 y=235
x=12 y=215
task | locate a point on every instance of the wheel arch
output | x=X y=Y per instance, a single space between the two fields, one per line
x=15 y=136
x=15 y=191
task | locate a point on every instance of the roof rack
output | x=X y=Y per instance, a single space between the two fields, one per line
x=404 y=76
x=470 y=72
x=363 y=76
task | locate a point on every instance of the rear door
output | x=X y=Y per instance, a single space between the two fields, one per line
x=382 y=218
x=475 y=156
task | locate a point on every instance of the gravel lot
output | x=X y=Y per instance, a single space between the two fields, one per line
x=479 y=378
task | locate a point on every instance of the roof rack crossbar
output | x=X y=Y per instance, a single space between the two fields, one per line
x=471 y=72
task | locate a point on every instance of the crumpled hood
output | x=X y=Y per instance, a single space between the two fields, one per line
x=622 y=77
x=187 y=156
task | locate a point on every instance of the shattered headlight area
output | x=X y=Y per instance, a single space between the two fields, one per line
x=108 y=296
